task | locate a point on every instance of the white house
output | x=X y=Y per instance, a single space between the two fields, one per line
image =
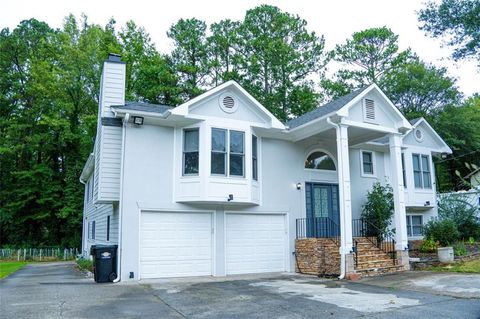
x=219 y=186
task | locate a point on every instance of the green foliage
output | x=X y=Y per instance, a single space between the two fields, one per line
x=459 y=126
x=455 y=21
x=459 y=249
x=419 y=89
x=428 y=246
x=365 y=58
x=442 y=230
x=457 y=209
x=84 y=264
x=190 y=55
x=379 y=208
x=471 y=240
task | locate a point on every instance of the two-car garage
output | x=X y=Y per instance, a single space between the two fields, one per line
x=180 y=244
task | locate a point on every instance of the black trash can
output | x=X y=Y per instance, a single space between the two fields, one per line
x=104 y=262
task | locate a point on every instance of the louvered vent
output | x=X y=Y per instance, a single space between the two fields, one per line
x=369 y=109
x=228 y=102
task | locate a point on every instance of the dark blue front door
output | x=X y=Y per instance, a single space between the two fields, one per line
x=323 y=215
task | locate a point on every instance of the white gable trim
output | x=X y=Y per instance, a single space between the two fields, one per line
x=88 y=168
x=183 y=109
x=445 y=148
x=346 y=108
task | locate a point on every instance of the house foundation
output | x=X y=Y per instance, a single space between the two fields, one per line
x=317 y=256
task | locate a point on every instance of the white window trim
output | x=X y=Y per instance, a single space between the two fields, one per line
x=227 y=153
x=319 y=169
x=430 y=164
x=409 y=216
x=182 y=148
x=374 y=165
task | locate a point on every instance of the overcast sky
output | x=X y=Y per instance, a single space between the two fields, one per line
x=335 y=19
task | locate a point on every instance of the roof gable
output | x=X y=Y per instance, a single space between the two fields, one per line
x=429 y=137
x=342 y=106
x=193 y=107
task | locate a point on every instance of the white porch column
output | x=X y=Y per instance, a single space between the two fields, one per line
x=398 y=192
x=344 y=188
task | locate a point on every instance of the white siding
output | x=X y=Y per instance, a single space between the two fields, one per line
x=98 y=213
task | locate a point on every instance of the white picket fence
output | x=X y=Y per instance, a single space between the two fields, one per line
x=38 y=254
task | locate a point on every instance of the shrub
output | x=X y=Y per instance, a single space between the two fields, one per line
x=442 y=230
x=85 y=264
x=459 y=249
x=471 y=240
x=378 y=209
x=428 y=246
x=457 y=209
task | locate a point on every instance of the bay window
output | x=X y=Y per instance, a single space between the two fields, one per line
x=254 y=158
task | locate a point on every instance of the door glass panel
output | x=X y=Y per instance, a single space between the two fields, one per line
x=320 y=201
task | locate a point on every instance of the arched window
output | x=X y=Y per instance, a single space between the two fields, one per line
x=320 y=160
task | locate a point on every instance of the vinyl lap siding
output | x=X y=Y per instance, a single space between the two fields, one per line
x=109 y=163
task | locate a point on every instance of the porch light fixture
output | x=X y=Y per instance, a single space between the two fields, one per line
x=138 y=120
x=427 y=203
x=299 y=186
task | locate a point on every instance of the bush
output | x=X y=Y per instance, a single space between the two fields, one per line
x=459 y=249
x=442 y=230
x=85 y=264
x=457 y=209
x=428 y=246
x=378 y=209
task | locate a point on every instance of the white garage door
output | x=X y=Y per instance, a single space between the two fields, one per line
x=175 y=244
x=255 y=243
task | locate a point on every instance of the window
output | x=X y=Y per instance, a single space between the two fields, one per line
x=190 y=151
x=88 y=231
x=108 y=228
x=237 y=153
x=235 y=145
x=320 y=160
x=421 y=171
x=219 y=151
x=404 y=172
x=254 y=158
x=367 y=163
x=93 y=230
x=414 y=225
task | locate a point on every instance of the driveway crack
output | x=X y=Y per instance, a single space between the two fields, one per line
x=150 y=290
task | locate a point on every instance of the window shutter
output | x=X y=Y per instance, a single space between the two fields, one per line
x=369 y=109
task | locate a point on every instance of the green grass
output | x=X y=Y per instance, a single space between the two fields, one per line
x=472 y=266
x=85 y=264
x=9 y=267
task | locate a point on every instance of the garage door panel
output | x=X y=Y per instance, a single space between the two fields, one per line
x=175 y=245
x=255 y=243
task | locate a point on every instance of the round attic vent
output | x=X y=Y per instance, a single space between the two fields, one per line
x=228 y=102
x=418 y=135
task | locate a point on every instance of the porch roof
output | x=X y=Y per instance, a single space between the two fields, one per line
x=325 y=109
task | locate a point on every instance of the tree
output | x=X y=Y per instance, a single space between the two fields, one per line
x=459 y=126
x=457 y=22
x=190 y=55
x=276 y=56
x=222 y=54
x=365 y=58
x=419 y=89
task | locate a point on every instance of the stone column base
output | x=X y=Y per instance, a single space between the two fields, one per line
x=403 y=259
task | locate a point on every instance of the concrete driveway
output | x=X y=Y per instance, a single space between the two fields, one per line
x=56 y=290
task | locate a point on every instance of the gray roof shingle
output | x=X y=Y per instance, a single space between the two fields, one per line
x=325 y=109
x=144 y=107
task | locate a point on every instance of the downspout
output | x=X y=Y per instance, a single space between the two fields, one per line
x=120 y=208
x=342 y=219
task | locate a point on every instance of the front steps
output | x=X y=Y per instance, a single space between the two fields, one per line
x=373 y=261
